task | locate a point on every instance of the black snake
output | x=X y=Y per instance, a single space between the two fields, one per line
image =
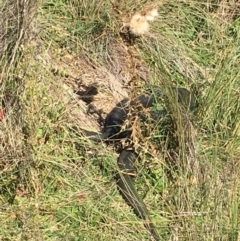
x=112 y=131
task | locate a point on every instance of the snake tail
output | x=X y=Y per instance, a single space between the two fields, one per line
x=125 y=183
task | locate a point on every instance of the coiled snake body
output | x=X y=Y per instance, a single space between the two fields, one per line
x=126 y=159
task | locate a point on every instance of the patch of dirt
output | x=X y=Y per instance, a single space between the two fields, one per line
x=92 y=89
x=122 y=59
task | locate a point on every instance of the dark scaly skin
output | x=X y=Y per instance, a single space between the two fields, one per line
x=112 y=130
x=113 y=124
x=116 y=118
x=125 y=183
x=124 y=178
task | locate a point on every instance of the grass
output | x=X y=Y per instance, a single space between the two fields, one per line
x=55 y=184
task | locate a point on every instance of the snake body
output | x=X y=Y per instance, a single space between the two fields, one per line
x=126 y=159
x=125 y=183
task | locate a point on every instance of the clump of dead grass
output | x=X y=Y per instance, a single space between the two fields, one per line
x=16 y=18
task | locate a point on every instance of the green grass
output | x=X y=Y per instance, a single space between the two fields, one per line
x=56 y=184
